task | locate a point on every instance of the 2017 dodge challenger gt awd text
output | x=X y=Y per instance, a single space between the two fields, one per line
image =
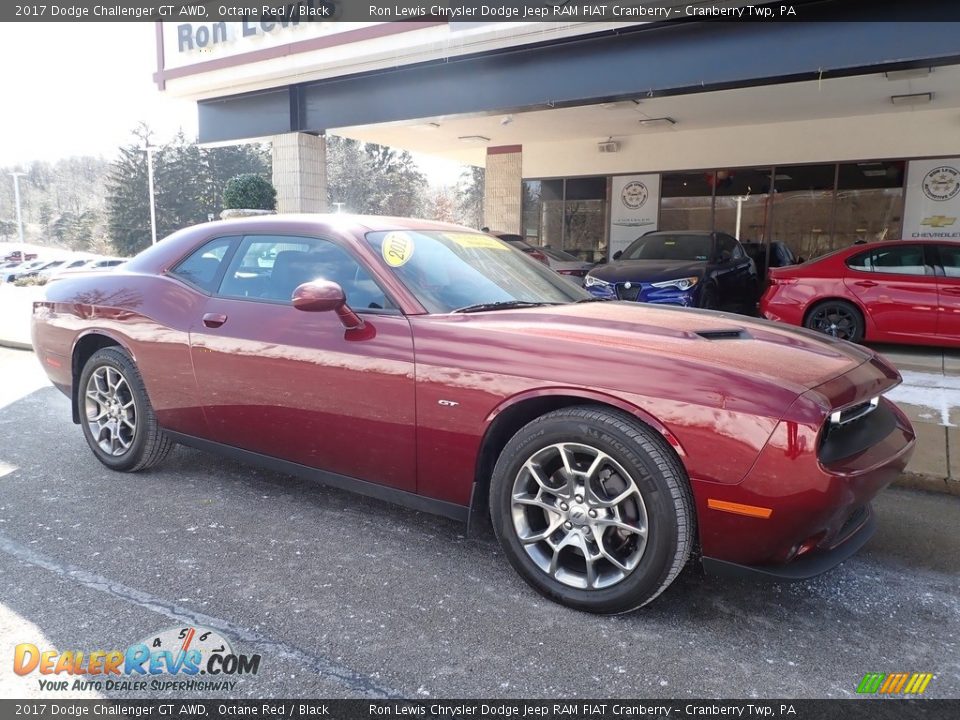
x=437 y=367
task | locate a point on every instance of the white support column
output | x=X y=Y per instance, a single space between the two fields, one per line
x=300 y=172
x=502 y=190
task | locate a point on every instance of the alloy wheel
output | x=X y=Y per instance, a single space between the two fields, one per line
x=579 y=516
x=834 y=320
x=110 y=410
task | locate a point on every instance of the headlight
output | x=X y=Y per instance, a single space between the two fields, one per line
x=592 y=281
x=680 y=284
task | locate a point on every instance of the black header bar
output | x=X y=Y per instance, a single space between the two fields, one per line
x=472 y=11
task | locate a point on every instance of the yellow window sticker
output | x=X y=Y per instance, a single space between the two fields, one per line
x=470 y=240
x=397 y=248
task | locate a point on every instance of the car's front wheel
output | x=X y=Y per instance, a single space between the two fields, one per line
x=116 y=415
x=593 y=509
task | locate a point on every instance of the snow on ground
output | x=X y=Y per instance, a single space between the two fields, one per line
x=932 y=391
x=16 y=306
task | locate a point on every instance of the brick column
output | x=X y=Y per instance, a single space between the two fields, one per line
x=300 y=172
x=502 y=191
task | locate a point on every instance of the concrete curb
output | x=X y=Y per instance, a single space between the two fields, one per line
x=928 y=483
x=16 y=344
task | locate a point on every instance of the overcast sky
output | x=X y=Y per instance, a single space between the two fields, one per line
x=80 y=88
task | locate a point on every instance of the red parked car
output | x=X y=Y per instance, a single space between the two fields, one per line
x=437 y=367
x=895 y=291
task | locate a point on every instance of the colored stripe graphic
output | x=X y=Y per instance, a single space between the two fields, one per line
x=870 y=683
x=894 y=683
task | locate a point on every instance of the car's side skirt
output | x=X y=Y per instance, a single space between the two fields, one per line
x=343 y=482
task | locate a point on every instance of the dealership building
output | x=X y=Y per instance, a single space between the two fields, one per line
x=816 y=134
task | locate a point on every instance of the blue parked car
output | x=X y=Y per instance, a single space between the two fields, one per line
x=692 y=269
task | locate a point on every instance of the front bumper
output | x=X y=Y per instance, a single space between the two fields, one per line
x=646 y=293
x=819 y=506
x=807 y=566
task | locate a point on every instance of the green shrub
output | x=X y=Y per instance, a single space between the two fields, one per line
x=29 y=281
x=249 y=192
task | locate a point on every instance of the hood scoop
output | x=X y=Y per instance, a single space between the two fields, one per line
x=733 y=334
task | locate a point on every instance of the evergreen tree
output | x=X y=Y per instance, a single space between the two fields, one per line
x=128 y=196
x=470 y=190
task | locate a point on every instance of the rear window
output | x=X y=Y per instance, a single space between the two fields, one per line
x=201 y=268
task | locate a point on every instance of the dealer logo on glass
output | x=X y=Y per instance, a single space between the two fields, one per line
x=634 y=194
x=942 y=183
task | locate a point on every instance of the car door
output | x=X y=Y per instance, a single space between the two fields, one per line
x=297 y=385
x=896 y=285
x=733 y=269
x=948 y=290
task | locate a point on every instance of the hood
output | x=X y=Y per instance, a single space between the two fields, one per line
x=788 y=358
x=648 y=270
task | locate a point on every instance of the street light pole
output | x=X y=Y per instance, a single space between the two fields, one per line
x=153 y=209
x=16 y=194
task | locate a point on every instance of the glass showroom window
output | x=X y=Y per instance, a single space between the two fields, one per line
x=742 y=202
x=802 y=208
x=531 y=206
x=585 y=218
x=686 y=201
x=869 y=202
x=551 y=213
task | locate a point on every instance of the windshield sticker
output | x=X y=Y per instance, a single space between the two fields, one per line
x=469 y=240
x=397 y=248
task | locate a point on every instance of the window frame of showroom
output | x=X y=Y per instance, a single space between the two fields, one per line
x=768 y=224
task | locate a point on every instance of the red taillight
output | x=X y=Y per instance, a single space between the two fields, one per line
x=536 y=254
x=774 y=280
x=575 y=273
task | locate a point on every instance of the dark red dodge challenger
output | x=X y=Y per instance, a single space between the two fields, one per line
x=437 y=367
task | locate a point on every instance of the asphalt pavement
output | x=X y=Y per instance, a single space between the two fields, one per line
x=344 y=596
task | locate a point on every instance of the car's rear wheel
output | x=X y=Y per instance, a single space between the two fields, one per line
x=117 y=419
x=593 y=509
x=838 y=319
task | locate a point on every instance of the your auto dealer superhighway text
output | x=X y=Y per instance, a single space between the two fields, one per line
x=572 y=710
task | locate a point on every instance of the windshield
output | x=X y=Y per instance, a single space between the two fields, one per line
x=693 y=248
x=447 y=271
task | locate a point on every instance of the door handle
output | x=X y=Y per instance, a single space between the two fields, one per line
x=214 y=320
x=866 y=283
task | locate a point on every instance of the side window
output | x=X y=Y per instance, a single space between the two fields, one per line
x=271 y=267
x=200 y=268
x=950 y=260
x=862 y=262
x=900 y=260
x=726 y=246
x=738 y=252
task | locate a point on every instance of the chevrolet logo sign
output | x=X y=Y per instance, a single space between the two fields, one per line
x=938 y=221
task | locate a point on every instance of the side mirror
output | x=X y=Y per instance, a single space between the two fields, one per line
x=618 y=254
x=324 y=296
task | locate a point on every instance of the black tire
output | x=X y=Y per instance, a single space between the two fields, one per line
x=658 y=479
x=709 y=297
x=837 y=318
x=133 y=448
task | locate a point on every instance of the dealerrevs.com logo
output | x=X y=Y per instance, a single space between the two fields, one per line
x=173 y=659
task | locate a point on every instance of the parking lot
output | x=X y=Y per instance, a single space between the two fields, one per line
x=345 y=597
